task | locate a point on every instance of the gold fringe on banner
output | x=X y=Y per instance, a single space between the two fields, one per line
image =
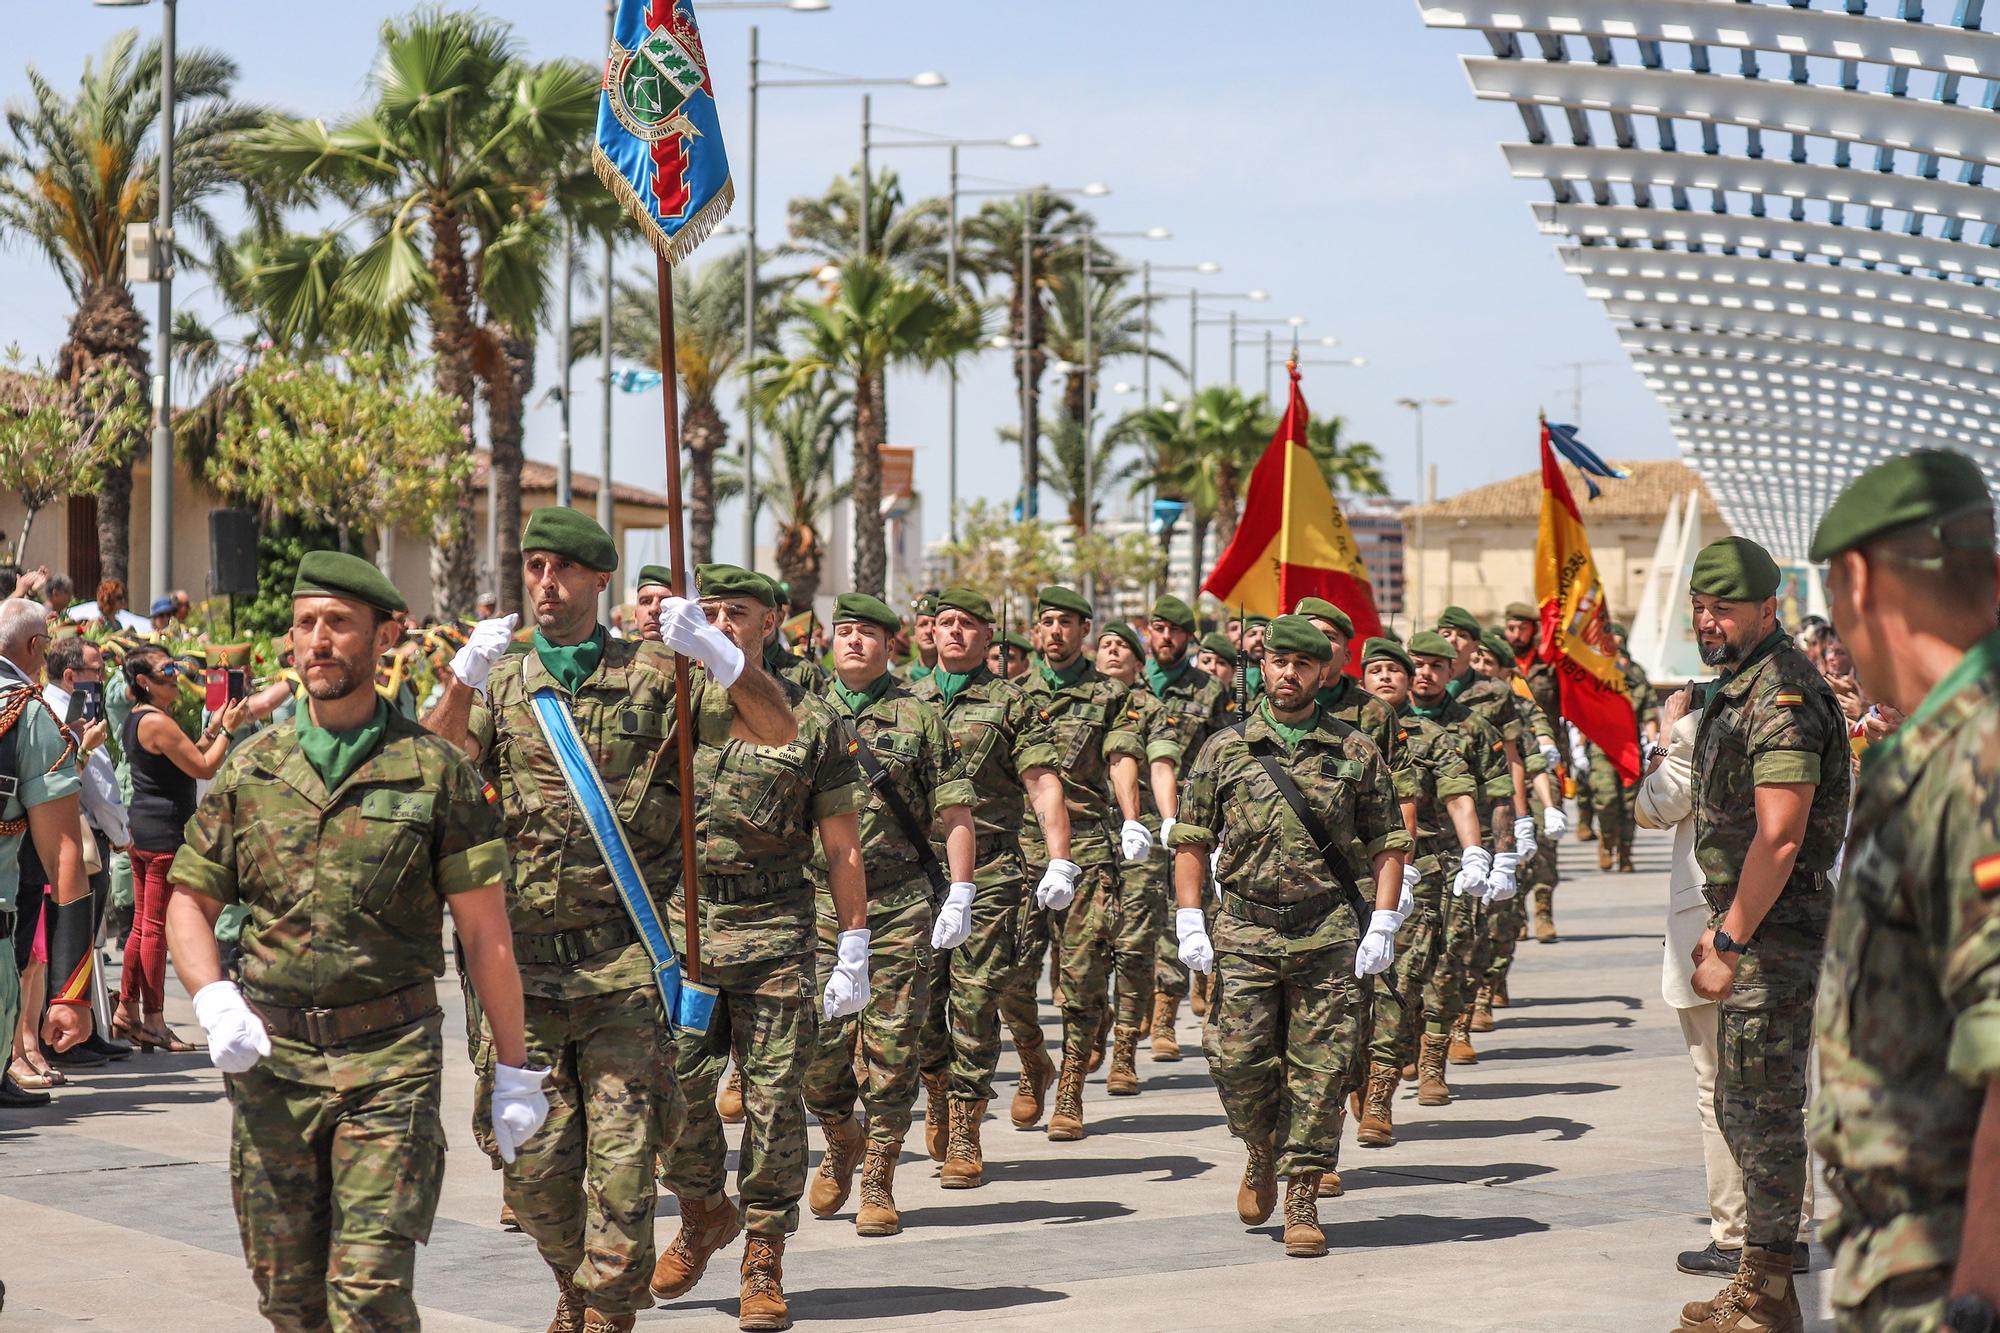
x=693 y=232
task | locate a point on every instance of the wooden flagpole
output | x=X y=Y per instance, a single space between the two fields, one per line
x=684 y=719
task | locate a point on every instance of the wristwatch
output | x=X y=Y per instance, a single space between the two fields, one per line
x=1971 y=1313
x=1726 y=943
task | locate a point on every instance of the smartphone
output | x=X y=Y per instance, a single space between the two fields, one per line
x=217 y=689
x=239 y=684
x=86 y=705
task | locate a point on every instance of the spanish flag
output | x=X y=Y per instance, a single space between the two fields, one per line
x=1576 y=624
x=1293 y=541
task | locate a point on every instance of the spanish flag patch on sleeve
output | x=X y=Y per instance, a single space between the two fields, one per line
x=1986 y=875
x=487 y=790
x=1790 y=698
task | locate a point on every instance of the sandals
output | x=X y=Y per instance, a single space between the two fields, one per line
x=124 y=1029
x=163 y=1036
x=25 y=1073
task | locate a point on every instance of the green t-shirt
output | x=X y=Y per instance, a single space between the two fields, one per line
x=46 y=772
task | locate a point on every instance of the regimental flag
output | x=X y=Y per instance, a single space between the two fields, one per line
x=659 y=139
x=1576 y=624
x=1292 y=540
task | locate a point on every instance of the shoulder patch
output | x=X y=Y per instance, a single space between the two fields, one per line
x=1789 y=698
x=491 y=794
x=1986 y=875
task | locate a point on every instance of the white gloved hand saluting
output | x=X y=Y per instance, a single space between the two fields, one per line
x=519 y=1107
x=1408 y=902
x=1197 y=953
x=1474 y=863
x=1058 y=885
x=685 y=629
x=1500 y=880
x=1554 y=824
x=1378 y=947
x=1136 y=840
x=1525 y=845
x=954 y=919
x=486 y=645
x=847 y=989
x=236 y=1036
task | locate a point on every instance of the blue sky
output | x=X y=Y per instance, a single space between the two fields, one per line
x=1328 y=151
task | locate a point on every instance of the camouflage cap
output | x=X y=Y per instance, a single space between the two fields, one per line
x=1522 y=611
x=964 y=599
x=1496 y=643
x=1430 y=643
x=1296 y=634
x=337 y=574
x=734 y=581
x=1927 y=486
x=1055 y=597
x=1219 y=644
x=1123 y=631
x=1386 y=650
x=1735 y=569
x=1321 y=609
x=571 y=535
x=1175 y=612
x=654 y=576
x=1458 y=618
x=851 y=606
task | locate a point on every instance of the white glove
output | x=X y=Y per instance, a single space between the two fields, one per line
x=1408 y=902
x=1472 y=868
x=1378 y=947
x=1136 y=840
x=1579 y=764
x=236 y=1037
x=1554 y=823
x=847 y=989
x=1167 y=823
x=1058 y=885
x=1500 y=880
x=686 y=630
x=954 y=919
x=519 y=1107
x=1525 y=845
x=1551 y=755
x=1197 y=953
x=486 y=645
x=1215 y=872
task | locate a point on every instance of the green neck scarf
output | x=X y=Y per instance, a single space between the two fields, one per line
x=571 y=663
x=776 y=658
x=1163 y=679
x=1291 y=733
x=1066 y=676
x=1433 y=712
x=335 y=755
x=857 y=700
x=949 y=683
x=918 y=671
x=1457 y=684
x=1332 y=696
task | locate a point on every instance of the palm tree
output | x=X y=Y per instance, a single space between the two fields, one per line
x=1118 y=328
x=1202 y=456
x=75 y=172
x=1351 y=468
x=828 y=227
x=795 y=478
x=1063 y=469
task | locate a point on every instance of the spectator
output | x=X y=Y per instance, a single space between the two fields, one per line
x=163 y=616
x=10 y=577
x=58 y=596
x=110 y=601
x=165 y=767
x=488 y=605
x=183 y=607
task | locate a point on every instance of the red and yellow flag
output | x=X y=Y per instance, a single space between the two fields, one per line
x=1293 y=541
x=1576 y=625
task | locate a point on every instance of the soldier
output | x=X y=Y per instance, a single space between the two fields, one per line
x=345 y=831
x=1006 y=750
x=1251 y=649
x=1218 y=658
x=655 y=586
x=923 y=637
x=1908 y=1112
x=584 y=1189
x=780 y=661
x=915 y=787
x=1008 y=657
x=1522 y=631
x=1770 y=800
x=1294 y=935
x=1087 y=714
x=1340 y=695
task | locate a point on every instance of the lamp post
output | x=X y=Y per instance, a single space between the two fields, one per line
x=1417 y=406
x=1147 y=268
x=1234 y=322
x=1195 y=295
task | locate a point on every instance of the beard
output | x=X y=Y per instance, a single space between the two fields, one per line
x=1721 y=654
x=328 y=685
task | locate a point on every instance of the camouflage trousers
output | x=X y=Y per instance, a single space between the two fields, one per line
x=582 y=1187
x=1082 y=934
x=1399 y=996
x=1538 y=877
x=772 y=1007
x=1283 y=1039
x=1450 y=987
x=888 y=1027
x=1761 y=1078
x=335 y=1162
x=961 y=1033
x=1143 y=912
x=1611 y=803
x=1907 y=1303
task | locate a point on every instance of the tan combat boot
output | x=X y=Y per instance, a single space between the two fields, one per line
x=1461 y=1041
x=1431 y=1089
x=937 y=1114
x=1146 y=1019
x=964 y=1163
x=1037 y=1070
x=729 y=1102
x=1123 y=1080
x=1482 y=1010
x=1330 y=1186
x=1500 y=1000
x=569 y=1306
x=1303 y=1238
x=761 y=1302
x=1166 y=1013
x=835 y=1176
x=1066 y=1120
x=508 y=1222
x=1376 y=1127
x=877 y=1215
x=1198 y=995
x=1625 y=866
x=1410 y=1073
x=1761 y=1298
x=596 y=1321
x=1604 y=854
x=706 y=1226
x=1258 y=1194
x=1545 y=917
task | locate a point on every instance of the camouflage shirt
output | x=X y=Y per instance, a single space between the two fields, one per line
x=1773 y=720
x=1484 y=754
x=801 y=671
x=1347 y=702
x=1090 y=722
x=1440 y=764
x=908 y=739
x=1148 y=717
x=1000 y=735
x=1908 y=1017
x=1639 y=689
x=1196 y=705
x=1543 y=686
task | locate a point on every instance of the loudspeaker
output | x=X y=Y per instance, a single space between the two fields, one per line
x=232 y=552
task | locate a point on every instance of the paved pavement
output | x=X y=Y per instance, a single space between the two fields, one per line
x=1552 y=1194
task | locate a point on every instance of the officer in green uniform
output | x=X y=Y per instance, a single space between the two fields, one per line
x=1006 y=750
x=1771 y=781
x=1907 y=1115
x=1292 y=943
x=1522 y=631
x=916 y=788
x=1340 y=694
x=345 y=831
x=655 y=585
x=923 y=637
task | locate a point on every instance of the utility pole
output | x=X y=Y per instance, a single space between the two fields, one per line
x=161 y=490
x=604 y=516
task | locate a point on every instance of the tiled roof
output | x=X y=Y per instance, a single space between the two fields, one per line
x=538 y=478
x=1654 y=482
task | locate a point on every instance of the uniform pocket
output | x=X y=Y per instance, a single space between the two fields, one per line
x=412 y=1204
x=394 y=825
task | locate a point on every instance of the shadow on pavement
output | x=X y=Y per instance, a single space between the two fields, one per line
x=1416 y=1229
x=1483 y=1092
x=1564 y=1129
x=1165 y=1169
x=1599 y=939
x=1549 y=1052
x=1020 y=1210
x=883 y=1302
x=1545 y=1001
x=1506 y=1020
x=1154 y=1124
x=1362 y=1175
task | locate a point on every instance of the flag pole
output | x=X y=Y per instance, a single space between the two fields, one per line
x=684 y=722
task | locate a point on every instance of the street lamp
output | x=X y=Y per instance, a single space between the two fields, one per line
x=1194 y=295
x=1417 y=406
x=1233 y=321
x=1147 y=268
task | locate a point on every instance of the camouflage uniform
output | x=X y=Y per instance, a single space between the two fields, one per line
x=1544 y=717
x=1507 y=920
x=1610 y=798
x=1198 y=706
x=43 y=772
x=1283 y=1036
x=1450 y=991
x=795 y=668
x=1495 y=703
x=757 y=830
x=336 y=1146
x=1772 y=720
x=583 y=1187
x=1142 y=907
x=1908 y=1021
x=907 y=737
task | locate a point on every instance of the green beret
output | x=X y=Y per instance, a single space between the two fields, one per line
x=1458 y=618
x=1386 y=650
x=1219 y=644
x=573 y=536
x=1175 y=612
x=966 y=600
x=1013 y=638
x=1325 y=610
x=1928 y=486
x=1058 y=598
x=927 y=605
x=734 y=581
x=337 y=574
x=1125 y=632
x=1250 y=622
x=781 y=595
x=870 y=610
x=1296 y=634
x=1522 y=611
x=1495 y=643
x=652 y=575
x=1430 y=643
x=1735 y=569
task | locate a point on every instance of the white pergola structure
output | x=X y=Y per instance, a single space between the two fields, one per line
x=1783 y=206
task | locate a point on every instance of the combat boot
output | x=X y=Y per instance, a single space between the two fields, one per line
x=1625 y=866
x=1097 y=1046
x=596 y=1321
x=1461 y=1041
x=964 y=1164
x=1198 y=995
x=569 y=1306
x=937 y=1114
x=729 y=1102
x=835 y=1177
x=1123 y=1080
x=1146 y=1020
x=508 y=1222
x=1303 y=1238
x=877 y=1215
x=1258 y=1194
x=1066 y=1121
x=1037 y=1070
x=1431 y=1089
x=1604 y=854
x=1166 y=1013
x=1330 y=1186
x=1761 y=1298
x=1482 y=1010
x=760 y=1305
x=1545 y=917
x=1409 y=1073
x=706 y=1227
x=1499 y=989
x=1376 y=1128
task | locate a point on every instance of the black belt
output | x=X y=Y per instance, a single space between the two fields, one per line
x=349 y=1022
x=754 y=887
x=566 y=948
x=1293 y=918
